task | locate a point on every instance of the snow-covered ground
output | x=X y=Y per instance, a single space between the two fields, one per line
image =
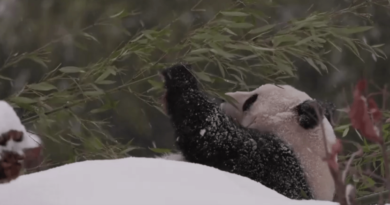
x=139 y=181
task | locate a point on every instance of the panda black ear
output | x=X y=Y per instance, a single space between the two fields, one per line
x=307 y=114
x=249 y=102
x=329 y=110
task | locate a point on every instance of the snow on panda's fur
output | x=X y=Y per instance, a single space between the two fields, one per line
x=286 y=112
x=205 y=135
x=17 y=146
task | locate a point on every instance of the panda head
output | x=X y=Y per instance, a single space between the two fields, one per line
x=292 y=115
x=280 y=107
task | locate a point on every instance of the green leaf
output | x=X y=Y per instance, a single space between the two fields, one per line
x=277 y=40
x=93 y=93
x=262 y=29
x=120 y=14
x=199 y=51
x=203 y=76
x=222 y=53
x=156 y=84
x=305 y=40
x=71 y=69
x=99 y=110
x=311 y=62
x=221 y=69
x=345 y=132
x=239 y=25
x=160 y=150
x=229 y=31
x=238 y=46
x=103 y=76
x=159 y=109
x=352 y=30
x=129 y=149
x=37 y=60
x=93 y=144
x=42 y=86
x=262 y=48
x=23 y=100
x=89 y=36
x=194 y=59
x=5 y=78
x=233 y=13
x=352 y=46
x=105 y=82
x=285 y=68
x=341 y=127
x=334 y=45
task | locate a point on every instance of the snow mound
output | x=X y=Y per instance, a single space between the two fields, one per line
x=140 y=181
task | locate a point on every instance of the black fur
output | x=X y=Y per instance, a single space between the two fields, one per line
x=329 y=110
x=249 y=102
x=307 y=113
x=207 y=136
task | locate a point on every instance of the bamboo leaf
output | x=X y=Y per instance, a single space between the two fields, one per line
x=160 y=150
x=93 y=93
x=352 y=30
x=5 y=78
x=239 y=25
x=120 y=14
x=203 y=76
x=42 y=86
x=90 y=37
x=199 y=51
x=262 y=29
x=71 y=69
x=233 y=13
x=22 y=100
x=38 y=60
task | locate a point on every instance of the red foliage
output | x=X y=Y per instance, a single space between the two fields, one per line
x=365 y=114
x=9 y=166
x=331 y=159
x=32 y=157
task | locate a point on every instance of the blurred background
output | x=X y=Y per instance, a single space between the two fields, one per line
x=82 y=74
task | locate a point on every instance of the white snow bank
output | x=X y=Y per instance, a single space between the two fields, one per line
x=139 y=181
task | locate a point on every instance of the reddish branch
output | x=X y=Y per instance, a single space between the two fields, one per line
x=9 y=166
x=366 y=117
x=11 y=163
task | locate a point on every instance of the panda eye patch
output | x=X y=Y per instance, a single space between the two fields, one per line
x=249 y=102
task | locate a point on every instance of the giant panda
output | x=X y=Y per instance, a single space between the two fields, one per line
x=286 y=112
x=208 y=134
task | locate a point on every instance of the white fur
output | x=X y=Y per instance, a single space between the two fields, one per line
x=10 y=121
x=273 y=111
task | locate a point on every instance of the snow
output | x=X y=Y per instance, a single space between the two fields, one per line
x=202 y=131
x=173 y=156
x=141 y=181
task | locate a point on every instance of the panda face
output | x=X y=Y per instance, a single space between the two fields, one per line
x=291 y=115
x=278 y=102
x=273 y=108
